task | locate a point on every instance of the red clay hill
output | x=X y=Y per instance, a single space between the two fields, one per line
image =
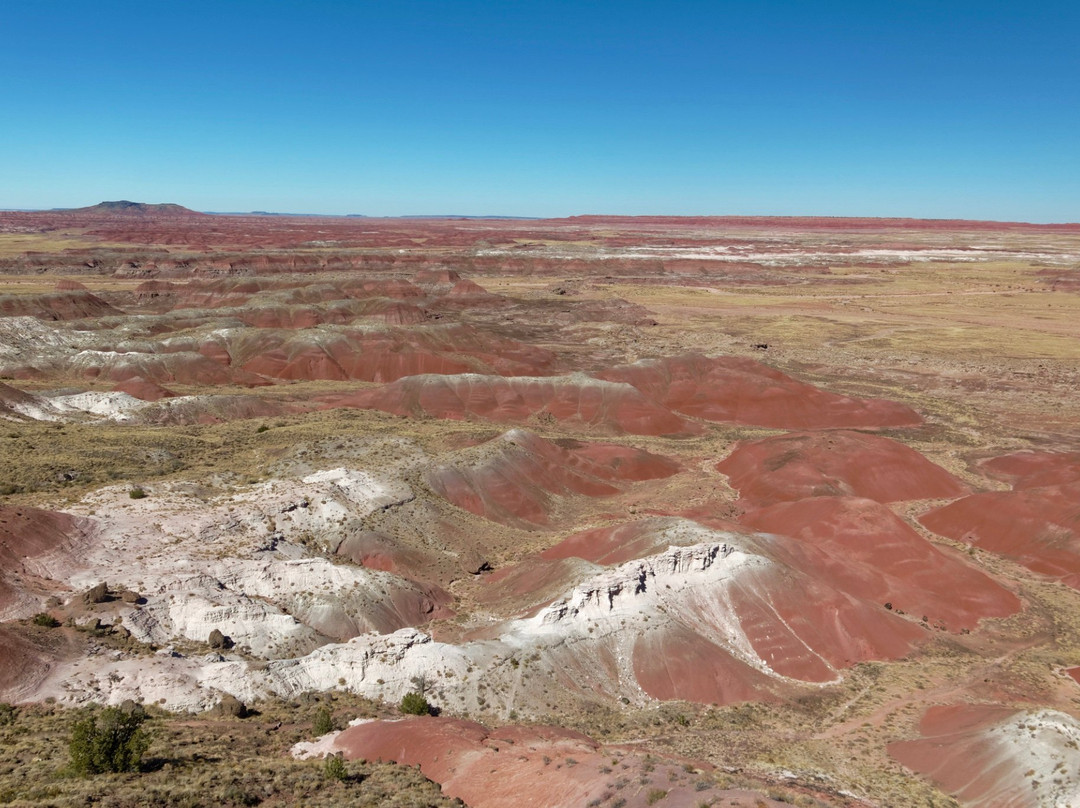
x=790 y=467
x=744 y=391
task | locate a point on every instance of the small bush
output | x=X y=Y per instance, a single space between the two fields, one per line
x=334 y=767
x=415 y=704
x=263 y=428
x=112 y=741
x=655 y=795
x=45 y=619
x=138 y=492
x=324 y=722
x=7 y=714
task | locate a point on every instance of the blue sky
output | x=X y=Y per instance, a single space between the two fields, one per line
x=935 y=109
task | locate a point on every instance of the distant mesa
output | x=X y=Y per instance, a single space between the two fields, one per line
x=123 y=207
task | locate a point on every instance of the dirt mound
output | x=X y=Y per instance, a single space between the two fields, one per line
x=533 y=766
x=62 y=305
x=181 y=367
x=31 y=541
x=378 y=355
x=13 y=400
x=721 y=620
x=834 y=463
x=743 y=391
x=574 y=399
x=68 y=285
x=1034 y=469
x=376 y=551
x=29 y=656
x=517 y=477
x=1039 y=527
x=624 y=542
x=142 y=389
x=861 y=547
x=986 y=754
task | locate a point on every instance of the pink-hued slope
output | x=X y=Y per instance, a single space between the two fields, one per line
x=743 y=391
x=517 y=477
x=863 y=548
x=834 y=463
x=575 y=399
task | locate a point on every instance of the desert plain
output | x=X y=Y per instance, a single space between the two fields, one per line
x=651 y=511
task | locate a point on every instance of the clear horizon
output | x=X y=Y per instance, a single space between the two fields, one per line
x=546 y=109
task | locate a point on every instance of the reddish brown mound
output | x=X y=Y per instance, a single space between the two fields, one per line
x=74 y=305
x=678 y=663
x=28 y=657
x=521 y=588
x=407 y=603
x=378 y=552
x=377 y=355
x=1039 y=527
x=1035 y=469
x=391 y=288
x=182 y=367
x=14 y=400
x=143 y=389
x=814 y=464
x=958 y=752
x=618 y=543
x=529 y=767
x=807 y=629
x=575 y=399
x=403 y=314
x=861 y=547
x=517 y=477
x=747 y=392
x=27 y=536
x=68 y=285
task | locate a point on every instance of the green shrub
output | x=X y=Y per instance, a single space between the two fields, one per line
x=44 y=619
x=7 y=713
x=324 y=722
x=415 y=704
x=138 y=492
x=112 y=741
x=334 y=767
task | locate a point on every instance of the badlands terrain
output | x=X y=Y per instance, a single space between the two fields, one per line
x=676 y=512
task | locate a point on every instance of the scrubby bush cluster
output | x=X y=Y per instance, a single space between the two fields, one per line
x=111 y=741
x=415 y=704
